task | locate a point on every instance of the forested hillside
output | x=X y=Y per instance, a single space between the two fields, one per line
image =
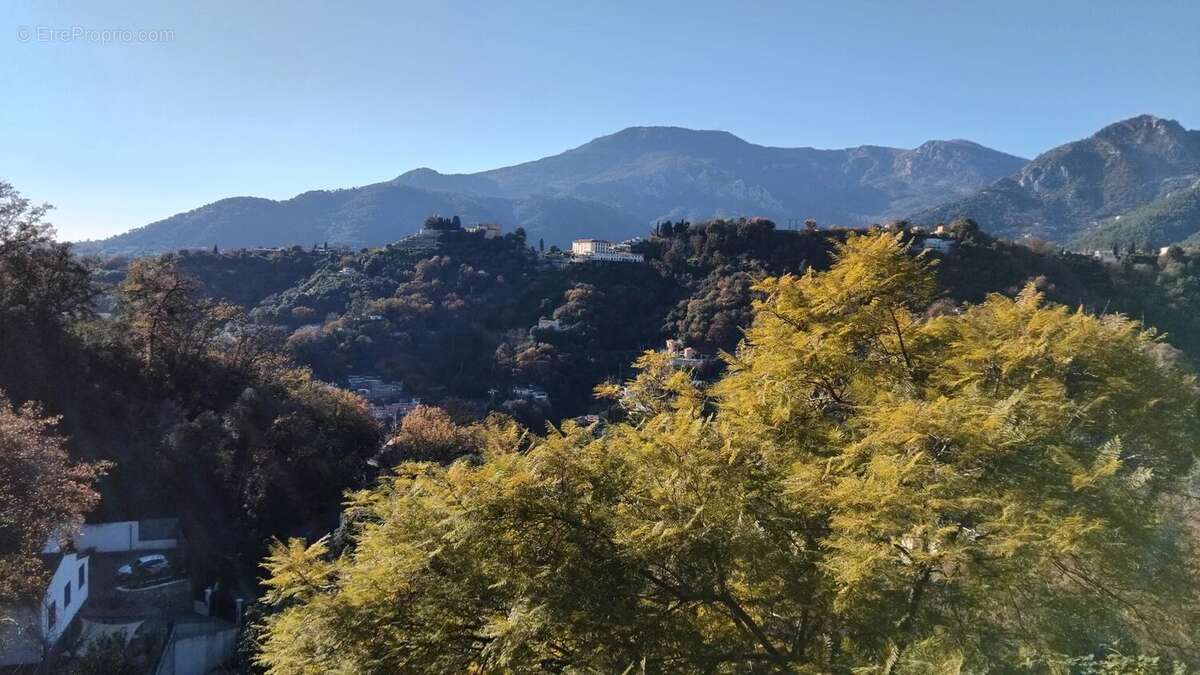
x=203 y=391
x=879 y=483
x=181 y=403
x=456 y=319
x=1172 y=219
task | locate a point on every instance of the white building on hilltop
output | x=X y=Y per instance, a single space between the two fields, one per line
x=939 y=244
x=590 y=246
x=489 y=230
x=602 y=250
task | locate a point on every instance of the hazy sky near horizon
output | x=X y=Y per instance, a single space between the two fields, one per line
x=183 y=103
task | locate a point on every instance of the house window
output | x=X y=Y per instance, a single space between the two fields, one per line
x=82 y=576
x=67 y=595
x=51 y=615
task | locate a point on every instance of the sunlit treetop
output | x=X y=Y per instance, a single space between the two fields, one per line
x=872 y=487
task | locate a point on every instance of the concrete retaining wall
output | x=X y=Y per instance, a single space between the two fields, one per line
x=196 y=650
x=122 y=536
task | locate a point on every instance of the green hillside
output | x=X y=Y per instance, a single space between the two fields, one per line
x=1172 y=219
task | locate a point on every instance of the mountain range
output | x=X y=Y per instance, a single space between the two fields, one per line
x=1133 y=182
x=614 y=187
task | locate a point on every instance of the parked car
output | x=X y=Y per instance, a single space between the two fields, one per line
x=145 y=567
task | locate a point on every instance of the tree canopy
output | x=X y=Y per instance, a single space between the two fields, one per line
x=874 y=486
x=40 y=283
x=43 y=495
x=183 y=400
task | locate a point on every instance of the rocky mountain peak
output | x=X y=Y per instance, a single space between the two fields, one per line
x=1144 y=130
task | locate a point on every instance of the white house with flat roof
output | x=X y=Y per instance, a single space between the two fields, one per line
x=590 y=246
x=374 y=388
x=489 y=230
x=531 y=392
x=939 y=244
x=585 y=250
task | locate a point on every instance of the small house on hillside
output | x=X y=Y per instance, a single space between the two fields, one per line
x=124 y=580
x=390 y=414
x=684 y=357
x=531 y=392
x=33 y=628
x=939 y=244
x=39 y=624
x=489 y=230
x=374 y=388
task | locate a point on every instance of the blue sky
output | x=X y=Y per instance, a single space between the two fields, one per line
x=274 y=98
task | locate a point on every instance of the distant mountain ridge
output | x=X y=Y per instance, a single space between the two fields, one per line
x=614 y=187
x=669 y=172
x=1083 y=191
